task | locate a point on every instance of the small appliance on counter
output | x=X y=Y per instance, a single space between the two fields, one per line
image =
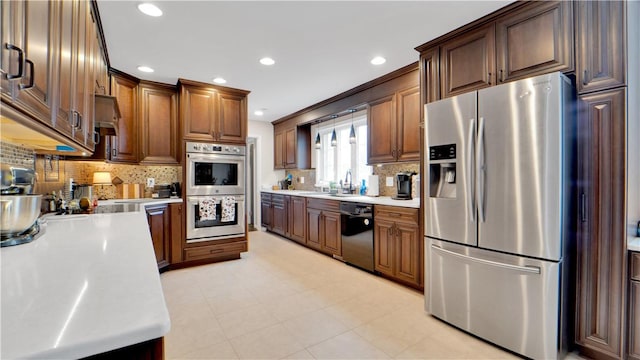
x=176 y=189
x=19 y=208
x=403 y=185
x=161 y=191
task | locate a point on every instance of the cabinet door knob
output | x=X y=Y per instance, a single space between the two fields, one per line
x=501 y=77
x=20 y=61
x=31 y=73
x=489 y=79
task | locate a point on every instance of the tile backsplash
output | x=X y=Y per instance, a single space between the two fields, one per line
x=382 y=171
x=82 y=173
x=16 y=155
x=385 y=170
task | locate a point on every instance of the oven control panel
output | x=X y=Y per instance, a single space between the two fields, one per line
x=208 y=148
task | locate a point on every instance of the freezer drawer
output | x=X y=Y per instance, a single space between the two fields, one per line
x=508 y=300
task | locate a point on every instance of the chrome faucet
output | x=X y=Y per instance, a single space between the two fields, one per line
x=349 y=179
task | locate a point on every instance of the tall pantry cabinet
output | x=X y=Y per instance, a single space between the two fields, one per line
x=602 y=254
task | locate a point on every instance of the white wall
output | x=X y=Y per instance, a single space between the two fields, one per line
x=266 y=176
x=633 y=116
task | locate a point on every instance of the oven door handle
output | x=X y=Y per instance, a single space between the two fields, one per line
x=193 y=201
x=213 y=158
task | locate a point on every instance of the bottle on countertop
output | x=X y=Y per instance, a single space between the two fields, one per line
x=363 y=188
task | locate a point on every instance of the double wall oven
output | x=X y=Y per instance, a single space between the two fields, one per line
x=215 y=191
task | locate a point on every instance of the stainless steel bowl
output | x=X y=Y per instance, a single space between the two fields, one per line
x=18 y=212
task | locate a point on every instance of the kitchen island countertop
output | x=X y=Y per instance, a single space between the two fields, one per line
x=375 y=200
x=88 y=285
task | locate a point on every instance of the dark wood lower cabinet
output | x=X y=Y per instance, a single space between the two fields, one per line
x=215 y=251
x=297 y=218
x=160 y=228
x=279 y=220
x=634 y=320
x=148 y=350
x=314 y=228
x=177 y=232
x=397 y=244
x=633 y=331
x=601 y=249
x=266 y=211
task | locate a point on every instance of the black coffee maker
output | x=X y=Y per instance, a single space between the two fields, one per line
x=403 y=185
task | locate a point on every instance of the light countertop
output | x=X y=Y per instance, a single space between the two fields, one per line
x=633 y=243
x=375 y=200
x=89 y=284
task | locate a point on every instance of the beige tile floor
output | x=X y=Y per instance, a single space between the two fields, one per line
x=282 y=300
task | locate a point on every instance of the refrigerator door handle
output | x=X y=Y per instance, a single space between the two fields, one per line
x=480 y=170
x=526 y=268
x=470 y=178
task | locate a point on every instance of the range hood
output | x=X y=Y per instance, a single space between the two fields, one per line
x=107 y=114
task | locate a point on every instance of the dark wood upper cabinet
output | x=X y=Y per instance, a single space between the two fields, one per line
x=467 y=62
x=37 y=84
x=535 y=39
x=408 y=116
x=213 y=114
x=532 y=39
x=393 y=127
x=601 y=243
x=198 y=111
x=124 y=147
x=290 y=139
x=291 y=146
x=381 y=128
x=600 y=45
x=158 y=124
x=279 y=146
x=430 y=74
x=232 y=124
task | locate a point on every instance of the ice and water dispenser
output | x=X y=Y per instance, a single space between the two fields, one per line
x=442 y=171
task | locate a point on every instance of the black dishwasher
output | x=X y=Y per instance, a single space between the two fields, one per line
x=357 y=234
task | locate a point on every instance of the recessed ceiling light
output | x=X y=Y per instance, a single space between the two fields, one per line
x=259 y=112
x=219 y=80
x=378 y=60
x=267 y=61
x=145 y=69
x=150 y=9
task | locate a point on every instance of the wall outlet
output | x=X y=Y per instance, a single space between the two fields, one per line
x=151 y=182
x=390 y=181
x=301 y=179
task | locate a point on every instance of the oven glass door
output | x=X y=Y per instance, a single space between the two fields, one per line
x=215 y=217
x=209 y=174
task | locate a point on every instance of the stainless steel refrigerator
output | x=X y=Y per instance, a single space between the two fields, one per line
x=498 y=212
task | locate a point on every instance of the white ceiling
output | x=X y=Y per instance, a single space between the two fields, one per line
x=321 y=48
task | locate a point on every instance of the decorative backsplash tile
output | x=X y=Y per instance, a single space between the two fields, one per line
x=82 y=173
x=309 y=179
x=382 y=171
x=16 y=155
x=385 y=170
